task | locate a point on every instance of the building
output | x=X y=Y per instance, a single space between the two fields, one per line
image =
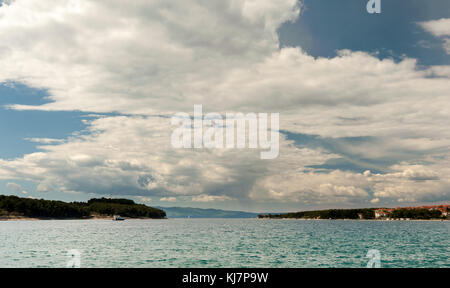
x=382 y=213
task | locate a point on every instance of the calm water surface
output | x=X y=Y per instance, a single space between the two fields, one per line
x=224 y=243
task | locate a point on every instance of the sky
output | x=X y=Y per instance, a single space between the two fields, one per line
x=88 y=89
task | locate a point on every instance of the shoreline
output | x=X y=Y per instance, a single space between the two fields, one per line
x=375 y=220
x=23 y=218
x=97 y=217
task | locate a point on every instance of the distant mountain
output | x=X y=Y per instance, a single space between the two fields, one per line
x=187 y=212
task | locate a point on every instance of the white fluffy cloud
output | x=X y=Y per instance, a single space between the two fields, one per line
x=135 y=58
x=168 y=199
x=133 y=156
x=311 y=188
x=412 y=183
x=157 y=57
x=406 y=183
x=439 y=28
x=144 y=199
x=210 y=198
x=160 y=56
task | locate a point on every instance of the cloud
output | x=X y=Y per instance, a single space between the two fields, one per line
x=133 y=156
x=418 y=173
x=139 y=58
x=447 y=45
x=312 y=188
x=150 y=59
x=106 y=64
x=439 y=28
x=209 y=198
x=45 y=140
x=375 y=200
x=16 y=187
x=406 y=183
x=413 y=183
x=144 y=199
x=168 y=199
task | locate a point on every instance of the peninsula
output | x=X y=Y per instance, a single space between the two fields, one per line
x=400 y=213
x=13 y=207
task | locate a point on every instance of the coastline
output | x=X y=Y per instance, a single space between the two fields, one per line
x=22 y=218
x=374 y=220
x=98 y=217
x=13 y=208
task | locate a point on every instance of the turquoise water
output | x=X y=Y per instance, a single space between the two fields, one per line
x=224 y=243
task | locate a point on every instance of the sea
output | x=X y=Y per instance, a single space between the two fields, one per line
x=189 y=243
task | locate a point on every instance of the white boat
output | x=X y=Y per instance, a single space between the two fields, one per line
x=118 y=218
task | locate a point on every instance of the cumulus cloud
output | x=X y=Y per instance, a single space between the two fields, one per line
x=413 y=183
x=159 y=56
x=150 y=59
x=439 y=28
x=406 y=183
x=140 y=58
x=144 y=199
x=133 y=156
x=312 y=188
x=375 y=200
x=209 y=198
x=447 y=45
x=16 y=187
x=168 y=199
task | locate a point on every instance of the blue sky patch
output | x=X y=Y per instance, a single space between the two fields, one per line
x=18 y=125
x=327 y=26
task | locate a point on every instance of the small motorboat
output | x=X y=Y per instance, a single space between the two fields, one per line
x=118 y=218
